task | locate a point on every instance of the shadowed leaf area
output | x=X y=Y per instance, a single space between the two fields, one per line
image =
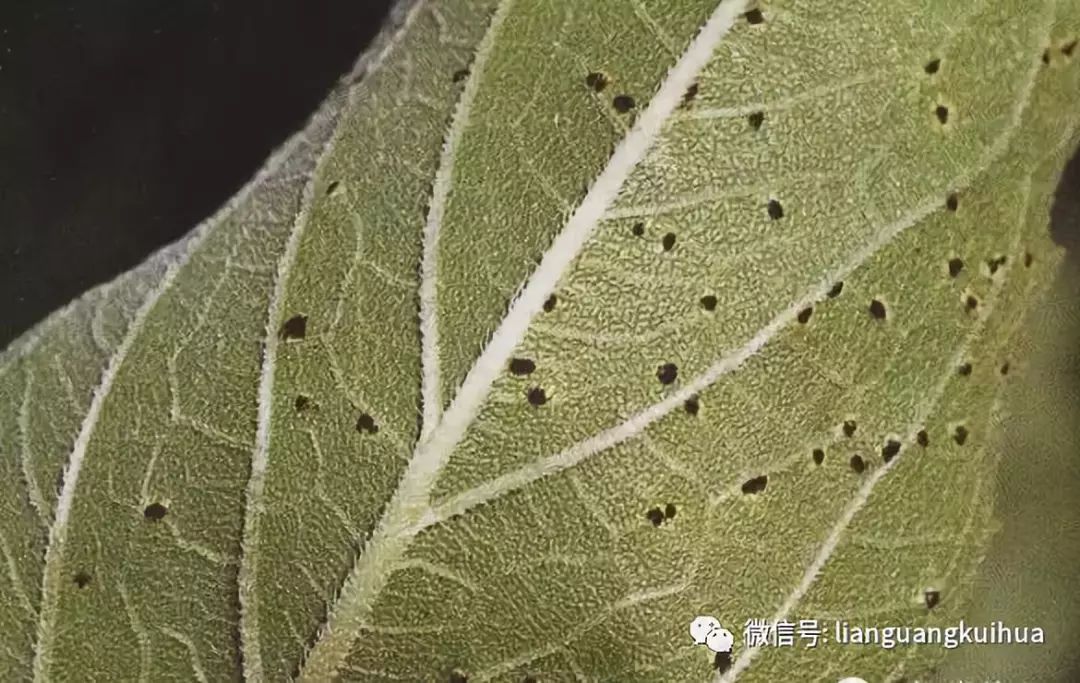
x=562 y=324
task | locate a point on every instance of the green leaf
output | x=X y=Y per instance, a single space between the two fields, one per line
x=560 y=324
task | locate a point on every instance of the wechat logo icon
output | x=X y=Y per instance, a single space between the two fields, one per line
x=707 y=631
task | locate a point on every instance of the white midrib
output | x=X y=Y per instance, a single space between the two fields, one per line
x=410 y=500
x=247 y=585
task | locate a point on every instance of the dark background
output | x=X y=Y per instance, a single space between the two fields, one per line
x=124 y=123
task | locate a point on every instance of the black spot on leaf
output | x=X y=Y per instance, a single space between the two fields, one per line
x=708 y=302
x=82 y=579
x=536 y=396
x=964 y=369
x=932 y=598
x=522 y=366
x=890 y=450
x=667 y=373
x=365 y=424
x=776 y=212
x=756 y=119
x=755 y=485
x=722 y=661
x=754 y=17
x=971 y=303
x=458 y=677
x=932 y=66
x=1004 y=368
x=655 y=516
x=460 y=75
x=155 y=512
x=952 y=201
x=669 y=511
x=549 y=305
x=295 y=327
x=849 y=428
x=1028 y=259
x=922 y=438
x=638 y=229
x=877 y=310
x=955 y=266
x=597 y=81
x=623 y=103
x=1068 y=48
x=692 y=405
x=804 y=315
x=818 y=456
x=1046 y=56
x=301 y=403
x=690 y=94
x=942 y=114
x=668 y=243
x=332 y=187
x=836 y=289
x=960 y=435
x=858 y=465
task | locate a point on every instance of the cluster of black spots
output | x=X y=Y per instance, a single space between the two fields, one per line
x=597 y=81
x=623 y=103
x=932 y=66
x=690 y=94
x=755 y=485
x=708 y=302
x=82 y=579
x=756 y=119
x=637 y=229
x=890 y=450
x=956 y=265
x=667 y=373
x=458 y=677
x=656 y=515
x=804 y=315
x=692 y=405
x=754 y=17
x=952 y=202
x=776 y=211
x=818 y=454
x=932 y=598
x=971 y=303
x=858 y=465
x=155 y=512
x=522 y=366
x=1028 y=259
x=1004 y=369
x=332 y=187
x=835 y=290
x=365 y=424
x=942 y=114
x=722 y=661
x=301 y=403
x=922 y=438
x=994 y=263
x=960 y=435
x=460 y=75
x=294 y=328
x=849 y=428
x=964 y=369
x=549 y=305
x=536 y=396
x=1068 y=48
x=668 y=242
x=877 y=309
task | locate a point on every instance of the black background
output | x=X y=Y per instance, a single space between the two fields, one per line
x=124 y=123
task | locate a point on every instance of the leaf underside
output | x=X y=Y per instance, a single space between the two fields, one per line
x=561 y=324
